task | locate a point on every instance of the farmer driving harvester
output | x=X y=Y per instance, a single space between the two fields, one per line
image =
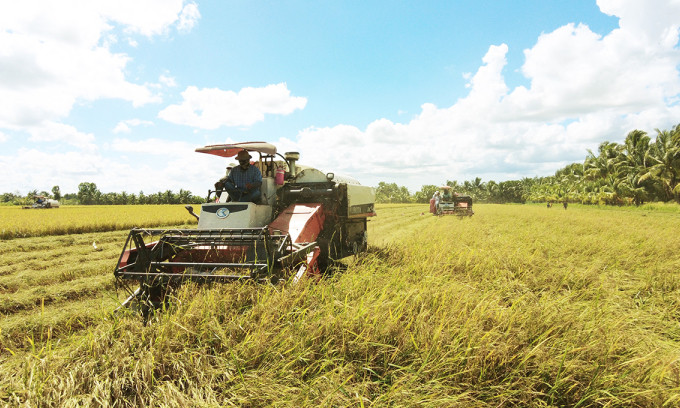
x=446 y=194
x=243 y=182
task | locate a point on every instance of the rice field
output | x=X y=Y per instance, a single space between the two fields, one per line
x=16 y=222
x=518 y=305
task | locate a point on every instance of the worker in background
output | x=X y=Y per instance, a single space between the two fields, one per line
x=437 y=198
x=244 y=181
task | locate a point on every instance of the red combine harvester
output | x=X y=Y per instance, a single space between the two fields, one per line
x=303 y=221
x=451 y=203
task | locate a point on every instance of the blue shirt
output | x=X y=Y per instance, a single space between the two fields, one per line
x=242 y=177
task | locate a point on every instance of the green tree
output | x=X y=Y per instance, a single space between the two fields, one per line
x=425 y=194
x=56 y=193
x=88 y=193
x=184 y=196
x=9 y=197
x=475 y=188
x=454 y=185
x=391 y=193
x=663 y=159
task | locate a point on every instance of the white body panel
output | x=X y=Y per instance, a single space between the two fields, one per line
x=345 y=179
x=310 y=175
x=360 y=199
x=234 y=215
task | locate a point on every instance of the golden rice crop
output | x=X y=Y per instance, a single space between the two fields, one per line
x=16 y=222
x=517 y=306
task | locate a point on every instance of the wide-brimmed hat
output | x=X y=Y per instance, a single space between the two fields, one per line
x=243 y=155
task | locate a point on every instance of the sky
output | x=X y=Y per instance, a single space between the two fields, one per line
x=120 y=93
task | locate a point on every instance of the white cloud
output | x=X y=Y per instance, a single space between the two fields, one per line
x=188 y=17
x=53 y=132
x=167 y=81
x=124 y=126
x=156 y=164
x=646 y=22
x=53 y=54
x=211 y=108
x=42 y=170
x=574 y=71
x=56 y=54
x=150 y=17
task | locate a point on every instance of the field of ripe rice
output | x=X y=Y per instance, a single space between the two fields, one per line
x=16 y=222
x=519 y=305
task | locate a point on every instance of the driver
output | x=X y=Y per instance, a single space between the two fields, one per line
x=446 y=196
x=244 y=181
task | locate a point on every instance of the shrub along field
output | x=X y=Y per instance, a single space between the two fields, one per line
x=519 y=305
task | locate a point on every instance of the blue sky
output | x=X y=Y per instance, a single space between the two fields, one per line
x=121 y=93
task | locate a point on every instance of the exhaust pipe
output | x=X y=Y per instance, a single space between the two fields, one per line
x=291 y=158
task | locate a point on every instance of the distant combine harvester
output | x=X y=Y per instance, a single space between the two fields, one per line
x=42 y=202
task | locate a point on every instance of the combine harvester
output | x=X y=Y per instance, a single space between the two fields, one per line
x=41 y=201
x=303 y=221
x=451 y=203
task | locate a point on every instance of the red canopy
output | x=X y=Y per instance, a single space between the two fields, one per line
x=231 y=150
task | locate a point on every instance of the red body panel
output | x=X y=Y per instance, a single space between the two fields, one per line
x=303 y=222
x=125 y=257
x=312 y=264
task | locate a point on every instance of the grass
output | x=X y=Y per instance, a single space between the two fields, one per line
x=516 y=306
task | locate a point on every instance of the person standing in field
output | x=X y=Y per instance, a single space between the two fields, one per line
x=437 y=198
x=565 y=205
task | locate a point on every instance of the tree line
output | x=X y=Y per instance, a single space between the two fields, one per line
x=636 y=171
x=490 y=192
x=89 y=194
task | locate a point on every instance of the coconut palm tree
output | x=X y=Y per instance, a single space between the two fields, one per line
x=663 y=163
x=603 y=164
